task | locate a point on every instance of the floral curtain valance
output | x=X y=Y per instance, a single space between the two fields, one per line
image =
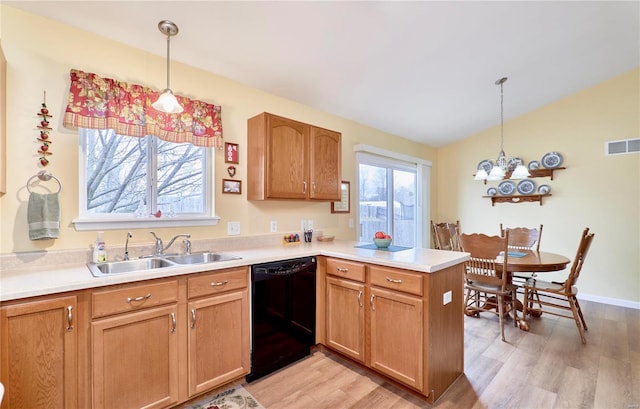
x=104 y=103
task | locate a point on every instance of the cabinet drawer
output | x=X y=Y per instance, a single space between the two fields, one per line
x=218 y=282
x=346 y=269
x=133 y=298
x=396 y=279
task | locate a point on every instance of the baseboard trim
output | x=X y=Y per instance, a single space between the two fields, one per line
x=611 y=301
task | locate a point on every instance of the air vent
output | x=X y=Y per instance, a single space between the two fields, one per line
x=623 y=146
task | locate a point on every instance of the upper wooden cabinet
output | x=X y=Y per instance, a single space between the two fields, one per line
x=292 y=160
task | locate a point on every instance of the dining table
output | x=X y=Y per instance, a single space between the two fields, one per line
x=529 y=261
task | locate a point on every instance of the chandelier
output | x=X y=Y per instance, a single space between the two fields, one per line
x=167 y=102
x=503 y=165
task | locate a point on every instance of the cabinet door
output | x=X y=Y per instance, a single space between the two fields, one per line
x=219 y=343
x=396 y=336
x=39 y=352
x=287 y=175
x=135 y=359
x=345 y=317
x=325 y=164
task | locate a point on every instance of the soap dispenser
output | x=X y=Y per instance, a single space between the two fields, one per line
x=99 y=250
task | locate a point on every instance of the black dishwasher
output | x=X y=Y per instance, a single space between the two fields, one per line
x=283 y=314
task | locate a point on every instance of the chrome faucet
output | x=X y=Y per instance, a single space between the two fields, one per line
x=126 y=246
x=187 y=245
x=160 y=248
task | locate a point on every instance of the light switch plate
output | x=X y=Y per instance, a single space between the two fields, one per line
x=233 y=228
x=274 y=226
x=446 y=298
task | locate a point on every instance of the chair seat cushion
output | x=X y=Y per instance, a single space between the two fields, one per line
x=489 y=288
x=540 y=285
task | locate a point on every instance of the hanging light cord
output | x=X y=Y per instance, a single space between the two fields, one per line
x=168 y=58
x=501 y=82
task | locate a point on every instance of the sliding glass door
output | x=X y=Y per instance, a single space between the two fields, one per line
x=387 y=199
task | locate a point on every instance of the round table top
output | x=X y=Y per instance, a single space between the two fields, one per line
x=537 y=261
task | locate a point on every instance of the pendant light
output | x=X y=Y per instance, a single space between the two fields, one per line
x=167 y=102
x=503 y=164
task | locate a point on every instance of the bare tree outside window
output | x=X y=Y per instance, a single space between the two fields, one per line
x=128 y=175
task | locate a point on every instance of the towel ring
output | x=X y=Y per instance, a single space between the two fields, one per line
x=44 y=176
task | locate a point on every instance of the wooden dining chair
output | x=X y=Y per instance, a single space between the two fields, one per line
x=560 y=296
x=523 y=238
x=446 y=235
x=485 y=283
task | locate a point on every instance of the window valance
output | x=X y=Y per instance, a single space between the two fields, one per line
x=104 y=103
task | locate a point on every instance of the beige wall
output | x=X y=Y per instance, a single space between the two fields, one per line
x=40 y=53
x=597 y=191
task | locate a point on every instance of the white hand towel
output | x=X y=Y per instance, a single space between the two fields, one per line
x=43 y=216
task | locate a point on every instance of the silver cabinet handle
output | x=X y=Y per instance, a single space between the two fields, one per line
x=304 y=187
x=360 y=299
x=391 y=280
x=219 y=283
x=342 y=270
x=373 y=307
x=141 y=298
x=193 y=318
x=173 y=323
x=313 y=187
x=70 y=318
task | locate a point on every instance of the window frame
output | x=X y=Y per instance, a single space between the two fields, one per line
x=88 y=222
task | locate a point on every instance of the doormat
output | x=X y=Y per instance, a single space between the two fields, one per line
x=372 y=246
x=233 y=398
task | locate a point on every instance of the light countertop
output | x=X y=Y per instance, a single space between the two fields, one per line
x=45 y=280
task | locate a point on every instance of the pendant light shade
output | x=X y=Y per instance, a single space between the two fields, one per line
x=503 y=165
x=167 y=102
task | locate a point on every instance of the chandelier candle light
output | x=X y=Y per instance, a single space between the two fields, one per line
x=167 y=102
x=503 y=164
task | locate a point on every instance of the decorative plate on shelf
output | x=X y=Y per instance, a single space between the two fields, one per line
x=492 y=191
x=506 y=188
x=486 y=164
x=552 y=160
x=544 y=189
x=533 y=165
x=526 y=187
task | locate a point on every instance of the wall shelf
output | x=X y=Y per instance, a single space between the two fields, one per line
x=517 y=198
x=535 y=173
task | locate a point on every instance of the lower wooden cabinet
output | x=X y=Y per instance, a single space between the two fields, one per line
x=397 y=322
x=345 y=330
x=135 y=359
x=219 y=341
x=396 y=336
x=39 y=354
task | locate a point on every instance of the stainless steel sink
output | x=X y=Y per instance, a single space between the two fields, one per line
x=129 y=266
x=201 y=258
x=152 y=263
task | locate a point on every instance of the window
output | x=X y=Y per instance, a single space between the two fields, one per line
x=145 y=181
x=391 y=191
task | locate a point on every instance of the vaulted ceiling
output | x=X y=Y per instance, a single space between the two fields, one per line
x=424 y=70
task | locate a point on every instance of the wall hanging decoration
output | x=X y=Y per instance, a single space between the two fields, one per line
x=231 y=186
x=231 y=170
x=230 y=152
x=44 y=128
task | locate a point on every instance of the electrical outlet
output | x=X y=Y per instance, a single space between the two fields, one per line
x=233 y=228
x=446 y=298
x=274 y=226
x=303 y=225
x=309 y=224
x=351 y=222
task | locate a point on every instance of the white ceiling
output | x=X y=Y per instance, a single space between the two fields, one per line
x=424 y=70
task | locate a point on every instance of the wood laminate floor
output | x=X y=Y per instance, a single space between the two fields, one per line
x=547 y=367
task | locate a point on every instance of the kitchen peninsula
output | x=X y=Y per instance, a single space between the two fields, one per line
x=407 y=306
